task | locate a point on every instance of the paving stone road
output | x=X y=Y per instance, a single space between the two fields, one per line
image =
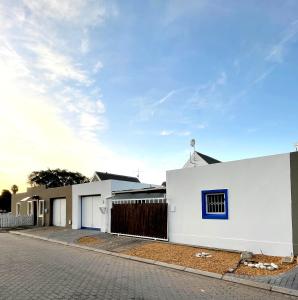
x=34 y=269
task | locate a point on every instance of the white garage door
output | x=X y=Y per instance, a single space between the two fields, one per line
x=91 y=215
x=59 y=212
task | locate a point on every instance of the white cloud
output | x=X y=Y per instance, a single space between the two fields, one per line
x=276 y=53
x=34 y=135
x=209 y=95
x=12 y=64
x=173 y=132
x=97 y=67
x=86 y=113
x=51 y=114
x=100 y=108
x=165 y=98
x=76 y=12
x=166 y=132
x=56 y=65
x=85 y=45
x=148 y=107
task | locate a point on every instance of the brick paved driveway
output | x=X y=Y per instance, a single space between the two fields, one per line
x=109 y=242
x=34 y=269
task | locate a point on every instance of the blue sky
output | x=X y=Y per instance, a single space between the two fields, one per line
x=122 y=85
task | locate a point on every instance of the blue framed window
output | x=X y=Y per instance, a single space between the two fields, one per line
x=215 y=204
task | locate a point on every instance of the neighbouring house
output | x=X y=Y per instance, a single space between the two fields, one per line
x=101 y=176
x=49 y=206
x=90 y=204
x=199 y=159
x=76 y=206
x=140 y=212
x=249 y=204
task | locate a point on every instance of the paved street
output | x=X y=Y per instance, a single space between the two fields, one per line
x=34 y=269
x=122 y=243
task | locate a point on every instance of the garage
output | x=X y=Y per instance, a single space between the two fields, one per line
x=59 y=212
x=91 y=214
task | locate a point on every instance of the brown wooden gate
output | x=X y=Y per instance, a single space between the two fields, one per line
x=142 y=219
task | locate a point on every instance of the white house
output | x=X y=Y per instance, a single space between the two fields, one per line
x=90 y=207
x=249 y=204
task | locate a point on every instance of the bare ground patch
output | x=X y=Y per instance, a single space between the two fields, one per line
x=182 y=255
x=220 y=262
x=89 y=241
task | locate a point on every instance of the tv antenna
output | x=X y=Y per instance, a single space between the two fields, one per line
x=296 y=147
x=138 y=173
x=193 y=144
x=192 y=155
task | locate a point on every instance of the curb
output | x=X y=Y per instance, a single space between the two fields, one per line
x=229 y=278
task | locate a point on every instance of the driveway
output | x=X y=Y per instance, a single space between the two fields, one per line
x=35 y=269
x=108 y=241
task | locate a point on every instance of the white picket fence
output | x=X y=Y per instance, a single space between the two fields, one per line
x=10 y=220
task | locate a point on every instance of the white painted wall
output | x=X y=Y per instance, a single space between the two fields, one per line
x=103 y=188
x=259 y=205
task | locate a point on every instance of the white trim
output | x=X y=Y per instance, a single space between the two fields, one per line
x=39 y=206
x=29 y=212
x=207 y=205
x=18 y=211
x=25 y=199
x=147 y=200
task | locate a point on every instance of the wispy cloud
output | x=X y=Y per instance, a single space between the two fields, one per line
x=278 y=51
x=165 y=98
x=76 y=12
x=57 y=66
x=86 y=112
x=166 y=132
x=263 y=75
x=175 y=10
x=174 y=132
x=50 y=94
x=209 y=95
x=42 y=42
x=84 y=45
x=148 y=106
x=97 y=67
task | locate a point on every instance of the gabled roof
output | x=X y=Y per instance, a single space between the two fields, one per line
x=151 y=189
x=208 y=159
x=106 y=176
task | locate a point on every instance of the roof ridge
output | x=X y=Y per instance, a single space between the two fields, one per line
x=107 y=176
x=207 y=158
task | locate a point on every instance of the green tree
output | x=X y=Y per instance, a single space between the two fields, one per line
x=5 y=201
x=56 y=177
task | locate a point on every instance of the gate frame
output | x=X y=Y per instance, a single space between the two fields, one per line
x=147 y=200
